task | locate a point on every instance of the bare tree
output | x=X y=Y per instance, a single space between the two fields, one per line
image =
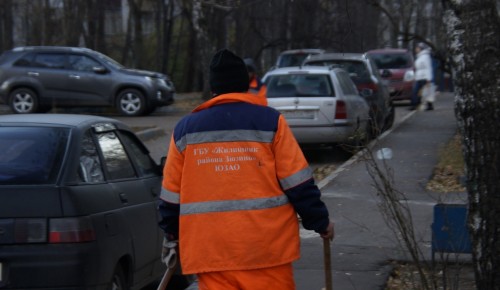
x=6 y=25
x=474 y=44
x=94 y=37
x=72 y=21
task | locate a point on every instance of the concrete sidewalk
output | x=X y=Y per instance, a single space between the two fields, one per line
x=364 y=244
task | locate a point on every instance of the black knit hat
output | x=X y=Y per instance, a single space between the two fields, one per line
x=228 y=73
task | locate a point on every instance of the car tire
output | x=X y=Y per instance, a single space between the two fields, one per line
x=389 y=121
x=118 y=281
x=376 y=123
x=131 y=102
x=23 y=101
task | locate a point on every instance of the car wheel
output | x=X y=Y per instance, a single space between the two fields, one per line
x=389 y=122
x=23 y=101
x=131 y=102
x=376 y=123
x=119 y=281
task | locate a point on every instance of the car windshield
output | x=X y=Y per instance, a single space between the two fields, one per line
x=392 y=60
x=357 y=70
x=303 y=85
x=31 y=155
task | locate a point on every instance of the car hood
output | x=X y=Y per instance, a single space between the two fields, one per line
x=145 y=73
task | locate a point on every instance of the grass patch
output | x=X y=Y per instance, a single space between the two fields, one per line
x=449 y=171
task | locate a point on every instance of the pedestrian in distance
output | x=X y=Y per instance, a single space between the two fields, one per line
x=256 y=86
x=423 y=76
x=234 y=181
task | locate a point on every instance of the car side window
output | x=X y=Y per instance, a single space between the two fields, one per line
x=24 y=60
x=90 y=169
x=50 y=60
x=82 y=63
x=116 y=161
x=145 y=165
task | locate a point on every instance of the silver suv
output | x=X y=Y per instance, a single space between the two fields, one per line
x=38 y=78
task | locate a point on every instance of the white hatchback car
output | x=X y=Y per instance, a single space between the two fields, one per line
x=322 y=105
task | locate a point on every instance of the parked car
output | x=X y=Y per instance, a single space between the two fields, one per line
x=396 y=66
x=321 y=105
x=370 y=84
x=295 y=57
x=78 y=200
x=35 y=79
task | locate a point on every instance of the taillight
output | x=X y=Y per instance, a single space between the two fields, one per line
x=340 y=110
x=30 y=230
x=71 y=230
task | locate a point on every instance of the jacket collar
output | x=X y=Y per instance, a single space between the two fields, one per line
x=231 y=98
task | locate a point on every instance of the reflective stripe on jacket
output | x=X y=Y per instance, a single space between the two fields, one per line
x=230 y=167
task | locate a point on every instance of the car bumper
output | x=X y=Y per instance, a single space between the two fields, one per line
x=400 y=91
x=41 y=266
x=163 y=97
x=319 y=135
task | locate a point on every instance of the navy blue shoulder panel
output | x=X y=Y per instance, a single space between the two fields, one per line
x=230 y=116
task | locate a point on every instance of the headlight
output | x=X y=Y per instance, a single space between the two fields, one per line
x=409 y=76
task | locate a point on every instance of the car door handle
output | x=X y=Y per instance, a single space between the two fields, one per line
x=76 y=77
x=33 y=74
x=123 y=198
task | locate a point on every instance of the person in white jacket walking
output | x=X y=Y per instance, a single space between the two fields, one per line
x=423 y=75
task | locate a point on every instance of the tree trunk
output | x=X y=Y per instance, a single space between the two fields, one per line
x=203 y=45
x=474 y=39
x=136 y=13
x=6 y=25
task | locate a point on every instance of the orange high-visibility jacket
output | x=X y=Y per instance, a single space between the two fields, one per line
x=258 y=88
x=233 y=175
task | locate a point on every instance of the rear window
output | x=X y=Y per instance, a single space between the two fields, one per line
x=392 y=60
x=31 y=155
x=299 y=85
x=292 y=59
x=357 y=69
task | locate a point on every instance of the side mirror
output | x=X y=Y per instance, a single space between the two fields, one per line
x=99 y=69
x=386 y=73
x=366 y=93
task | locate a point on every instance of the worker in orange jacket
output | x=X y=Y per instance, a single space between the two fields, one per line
x=256 y=86
x=234 y=181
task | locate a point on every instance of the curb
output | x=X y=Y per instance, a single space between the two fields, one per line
x=325 y=181
x=149 y=134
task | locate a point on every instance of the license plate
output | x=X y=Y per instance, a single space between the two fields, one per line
x=298 y=114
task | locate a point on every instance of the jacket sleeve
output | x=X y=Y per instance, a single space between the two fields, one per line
x=169 y=203
x=169 y=219
x=296 y=180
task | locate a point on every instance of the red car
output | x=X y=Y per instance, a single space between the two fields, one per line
x=396 y=67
